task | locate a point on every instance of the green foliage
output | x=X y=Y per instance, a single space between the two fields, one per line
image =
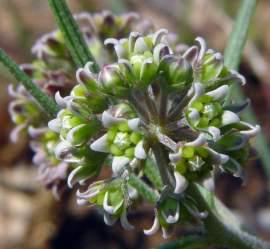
x=74 y=40
x=44 y=101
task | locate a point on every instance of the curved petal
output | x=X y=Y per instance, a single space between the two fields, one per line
x=154 y=228
x=108 y=120
x=158 y=35
x=71 y=177
x=101 y=144
x=15 y=133
x=215 y=132
x=229 y=117
x=197 y=90
x=118 y=164
x=172 y=219
x=134 y=124
x=218 y=157
x=140 y=151
x=219 y=93
x=108 y=219
x=124 y=221
x=200 y=140
x=180 y=183
x=55 y=125
x=203 y=48
x=254 y=130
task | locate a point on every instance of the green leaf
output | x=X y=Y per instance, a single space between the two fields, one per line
x=238 y=37
x=43 y=100
x=72 y=35
x=143 y=189
x=152 y=173
x=232 y=58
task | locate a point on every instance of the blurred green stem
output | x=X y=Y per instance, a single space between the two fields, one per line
x=74 y=40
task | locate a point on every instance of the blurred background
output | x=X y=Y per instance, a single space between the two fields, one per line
x=30 y=218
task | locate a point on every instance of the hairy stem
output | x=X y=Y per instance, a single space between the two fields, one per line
x=75 y=42
x=222 y=232
x=46 y=103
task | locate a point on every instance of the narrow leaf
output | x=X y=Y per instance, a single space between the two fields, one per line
x=44 y=101
x=238 y=37
x=233 y=54
x=72 y=35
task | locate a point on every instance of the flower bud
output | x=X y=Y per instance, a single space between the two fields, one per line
x=112 y=81
x=177 y=71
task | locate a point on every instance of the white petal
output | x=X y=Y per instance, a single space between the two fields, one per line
x=218 y=157
x=154 y=228
x=239 y=76
x=157 y=52
x=118 y=164
x=203 y=48
x=101 y=144
x=125 y=223
x=139 y=151
x=110 y=41
x=215 y=132
x=55 y=125
x=90 y=193
x=82 y=202
x=254 y=130
x=108 y=219
x=219 y=93
x=134 y=124
x=140 y=46
x=14 y=135
x=71 y=180
x=158 y=35
x=200 y=140
x=194 y=115
x=60 y=100
x=108 y=120
x=109 y=209
x=180 y=183
x=229 y=117
x=36 y=132
x=172 y=219
x=174 y=157
x=197 y=90
x=191 y=54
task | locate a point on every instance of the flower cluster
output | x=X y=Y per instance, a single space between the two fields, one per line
x=54 y=72
x=154 y=112
x=153 y=104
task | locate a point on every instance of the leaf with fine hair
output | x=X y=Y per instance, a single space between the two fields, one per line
x=232 y=58
x=76 y=44
x=48 y=105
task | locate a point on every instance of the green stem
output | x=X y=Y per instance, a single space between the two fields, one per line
x=76 y=44
x=44 y=101
x=219 y=228
x=162 y=163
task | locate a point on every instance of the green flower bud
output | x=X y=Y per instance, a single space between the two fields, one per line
x=177 y=72
x=112 y=81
